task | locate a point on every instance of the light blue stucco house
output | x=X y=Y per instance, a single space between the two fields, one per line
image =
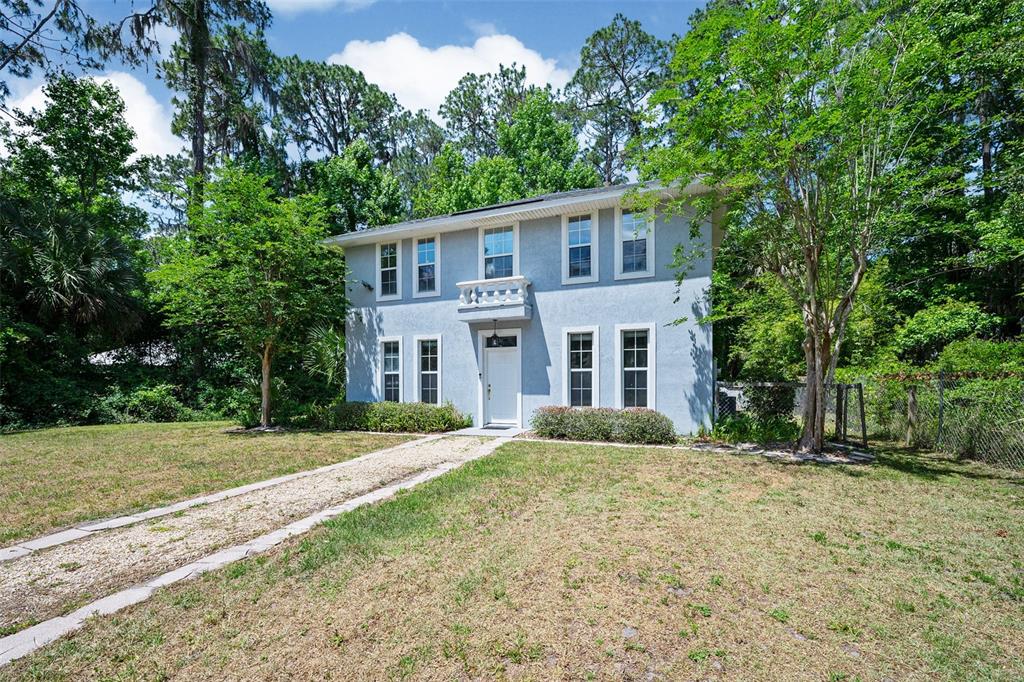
x=564 y=299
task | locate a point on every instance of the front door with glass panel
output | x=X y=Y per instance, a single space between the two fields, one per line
x=501 y=380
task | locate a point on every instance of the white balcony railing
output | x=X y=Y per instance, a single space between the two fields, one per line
x=492 y=293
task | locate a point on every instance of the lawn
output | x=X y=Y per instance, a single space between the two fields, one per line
x=56 y=477
x=582 y=562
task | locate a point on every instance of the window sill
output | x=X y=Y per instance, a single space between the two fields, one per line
x=646 y=274
x=426 y=294
x=569 y=281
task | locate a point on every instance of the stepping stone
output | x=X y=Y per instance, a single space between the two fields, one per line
x=56 y=539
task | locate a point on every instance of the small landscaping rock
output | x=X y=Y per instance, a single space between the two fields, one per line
x=795 y=634
x=629 y=632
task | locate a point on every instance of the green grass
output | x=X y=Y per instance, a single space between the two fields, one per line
x=576 y=562
x=52 y=478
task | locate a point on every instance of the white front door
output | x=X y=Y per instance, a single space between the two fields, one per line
x=501 y=382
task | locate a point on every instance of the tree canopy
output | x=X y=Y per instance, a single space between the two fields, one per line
x=252 y=270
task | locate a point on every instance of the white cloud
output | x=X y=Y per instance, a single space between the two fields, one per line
x=481 y=28
x=299 y=6
x=421 y=76
x=150 y=119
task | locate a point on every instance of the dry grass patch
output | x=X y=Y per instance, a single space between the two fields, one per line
x=551 y=561
x=56 y=477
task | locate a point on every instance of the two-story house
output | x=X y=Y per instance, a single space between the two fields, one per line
x=563 y=299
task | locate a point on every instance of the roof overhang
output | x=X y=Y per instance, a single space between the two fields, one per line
x=508 y=213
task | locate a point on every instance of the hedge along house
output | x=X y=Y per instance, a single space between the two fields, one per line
x=563 y=299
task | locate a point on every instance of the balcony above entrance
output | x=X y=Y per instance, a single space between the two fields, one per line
x=503 y=298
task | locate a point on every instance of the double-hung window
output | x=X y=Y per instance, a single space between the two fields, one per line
x=426 y=272
x=635 y=356
x=581 y=366
x=634 y=245
x=391 y=369
x=498 y=252
x=389 y=264
x=428 y=351
x=579 y=243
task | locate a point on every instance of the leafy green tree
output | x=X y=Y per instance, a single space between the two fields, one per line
x=803 y=117
x=476 y=106
x=621 y=66
x=538 y=154
x=415 y=142
x=252 y=271
x=219 y=63
x=358 y=193
x=81 y=135
x=543 y=148
x=923 y=335
x=968 y=244
x=63 y=33
x=69 y=266
x=327 y=107
x=446 y=188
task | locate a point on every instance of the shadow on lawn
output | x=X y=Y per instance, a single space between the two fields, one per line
x=933 y=466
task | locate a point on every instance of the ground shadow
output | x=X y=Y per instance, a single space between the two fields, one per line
x=932 y=466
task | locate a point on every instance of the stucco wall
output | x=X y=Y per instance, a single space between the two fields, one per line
x=683 y=351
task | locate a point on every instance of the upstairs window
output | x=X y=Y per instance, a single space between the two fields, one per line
x=391 y=370
x=498 y=250
x=579 y=255
x=634 y=245
x=426 y=274
x=389 y=259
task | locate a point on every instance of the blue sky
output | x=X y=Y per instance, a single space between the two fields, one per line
x=416 y=49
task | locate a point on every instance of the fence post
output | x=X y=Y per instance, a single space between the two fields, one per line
x=942 y=405
x=911 y=413
x=846 y=410
x=839 y=412
x=863 y=417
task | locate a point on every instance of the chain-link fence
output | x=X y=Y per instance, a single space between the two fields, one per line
x=976 y=416
x=845 y=417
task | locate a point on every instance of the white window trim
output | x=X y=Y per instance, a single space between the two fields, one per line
x=652 y=357
x=398 y=271
x=380 y=367
x=416 y=380
x=594 y=250
x=515 y=248
x=649 y=272
x=416 y=293
x=596 y=383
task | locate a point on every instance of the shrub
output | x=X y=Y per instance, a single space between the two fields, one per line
x=632 y=425
x=387 y=416
x=146 y=404
x=744 y=428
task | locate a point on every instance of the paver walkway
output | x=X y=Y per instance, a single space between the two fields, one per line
x=52 y=581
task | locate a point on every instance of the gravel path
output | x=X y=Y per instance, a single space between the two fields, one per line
x=56 y=580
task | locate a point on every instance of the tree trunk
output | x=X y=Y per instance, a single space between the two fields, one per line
x=265 y=387
x=199 y=54
x=816 y=353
